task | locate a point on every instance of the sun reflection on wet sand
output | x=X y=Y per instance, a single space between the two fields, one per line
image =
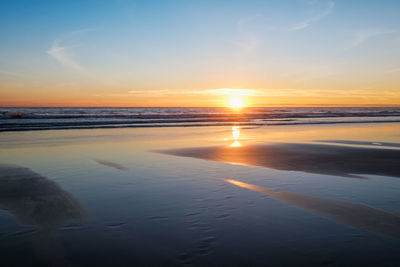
x=236 y=132
x=235 y=135
x=235 y=144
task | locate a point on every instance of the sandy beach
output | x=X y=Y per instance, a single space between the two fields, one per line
x=304 y=195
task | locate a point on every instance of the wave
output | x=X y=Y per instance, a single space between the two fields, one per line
x=21 y=119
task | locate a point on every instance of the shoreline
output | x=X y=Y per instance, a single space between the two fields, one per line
x=197 y=125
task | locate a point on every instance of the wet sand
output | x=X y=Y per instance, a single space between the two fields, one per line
x=319 y=159
x=312 y=158
x=158 y=209
x=353 y=214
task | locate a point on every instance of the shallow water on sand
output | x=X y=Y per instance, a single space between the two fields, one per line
x=108 y=197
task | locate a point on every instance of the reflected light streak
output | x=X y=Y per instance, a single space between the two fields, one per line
x=235 y=135
x=251 y=186
x=235 y=132
x=235 y=144
x=360 y=216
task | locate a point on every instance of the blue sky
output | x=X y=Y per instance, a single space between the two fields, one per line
x=119 y=47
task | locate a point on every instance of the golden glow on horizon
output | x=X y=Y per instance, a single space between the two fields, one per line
x=13 y=95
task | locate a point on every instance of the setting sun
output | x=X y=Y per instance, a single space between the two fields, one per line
x=236 y=102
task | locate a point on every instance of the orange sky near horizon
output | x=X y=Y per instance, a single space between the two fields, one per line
x=81 y=99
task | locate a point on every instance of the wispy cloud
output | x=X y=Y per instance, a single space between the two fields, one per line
x=233 y=91
x=263 y=92
x=60 y=53
x=304 y=24
x=145 y=92
x=219 y=91
x=63 y=53
x=215 y=95
x=366 y=34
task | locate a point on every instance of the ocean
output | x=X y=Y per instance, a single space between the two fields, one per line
x=27 y=119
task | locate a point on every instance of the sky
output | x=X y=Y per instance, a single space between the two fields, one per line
x=200 y=53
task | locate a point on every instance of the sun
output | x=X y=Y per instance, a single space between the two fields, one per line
x=236 y=102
